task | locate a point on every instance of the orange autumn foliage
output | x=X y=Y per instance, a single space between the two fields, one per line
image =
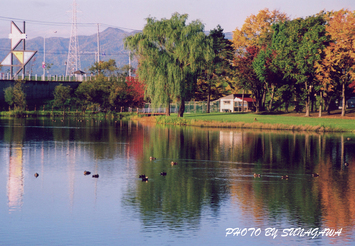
x=256 y=29
x=339 y=56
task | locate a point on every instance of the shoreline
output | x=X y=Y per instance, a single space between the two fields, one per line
x=262 y=121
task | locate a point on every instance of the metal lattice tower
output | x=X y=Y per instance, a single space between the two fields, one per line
x=73 y=61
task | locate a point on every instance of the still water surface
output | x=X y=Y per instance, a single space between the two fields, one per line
x=212 y=187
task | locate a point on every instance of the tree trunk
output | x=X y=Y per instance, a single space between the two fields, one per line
x=182 y=108
x=307 y=106
x=208 y=97
x=307 y=101
x=262 y=104
x=320 y=105
x=343 y=111
x=243 y=101
x=272 y=98
x=167 y=113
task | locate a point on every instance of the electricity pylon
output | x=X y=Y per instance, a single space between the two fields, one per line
x=73 y=61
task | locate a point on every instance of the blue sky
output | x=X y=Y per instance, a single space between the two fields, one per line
x=53 y=17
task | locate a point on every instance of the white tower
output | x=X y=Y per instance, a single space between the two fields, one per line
x=73 y=61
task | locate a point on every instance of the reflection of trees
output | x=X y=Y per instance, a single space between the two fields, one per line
x=337 y=186
x=104 y=139
x=213 y=165
x=328 y=200
x=179 y=198
x=181 y=195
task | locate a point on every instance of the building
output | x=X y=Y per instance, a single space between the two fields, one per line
x=234 y=103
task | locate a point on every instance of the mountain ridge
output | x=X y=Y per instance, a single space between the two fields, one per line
x=111 y=47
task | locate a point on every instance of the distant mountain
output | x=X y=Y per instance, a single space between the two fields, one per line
x=228 y=35
x=111 y=47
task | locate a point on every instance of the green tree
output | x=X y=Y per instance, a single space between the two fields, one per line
x=107 y=68
x=297 y=44
x=15 y=96
x=95 y=92
x=171 y=54
x=219 y=69
x=62 y=95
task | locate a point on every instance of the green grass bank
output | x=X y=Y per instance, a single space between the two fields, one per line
x=263 y=121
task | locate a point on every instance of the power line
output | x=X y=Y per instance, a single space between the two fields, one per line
x=51 y=23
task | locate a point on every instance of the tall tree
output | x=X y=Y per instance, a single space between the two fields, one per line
x=256 y=35
x=337 y=68
x=171 y=54
x=218 y=70
x=246 y=76
x=297 y=44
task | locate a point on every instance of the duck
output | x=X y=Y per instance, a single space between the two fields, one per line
x=142 y=176
x=346 y=164
x=315 y=175
x=152 y=158
x=36 y=175
x=87 y=172
x=95 y=175
x=163 y=173
x=173 y=163
x=284 y=177
x=145 y=179
x=257 y=175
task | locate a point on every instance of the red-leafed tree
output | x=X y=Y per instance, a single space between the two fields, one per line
x=135 y=90
x=246 y=76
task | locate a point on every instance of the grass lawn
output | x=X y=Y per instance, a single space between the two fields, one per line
x=252 y=120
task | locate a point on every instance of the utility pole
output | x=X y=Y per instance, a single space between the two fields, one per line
x=129 y=63
x=24 y=48
x=98 y=42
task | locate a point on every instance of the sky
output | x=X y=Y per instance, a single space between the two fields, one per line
x=53 y=18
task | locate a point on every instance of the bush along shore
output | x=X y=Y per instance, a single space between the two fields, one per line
x=213 y=120
x=64 y=113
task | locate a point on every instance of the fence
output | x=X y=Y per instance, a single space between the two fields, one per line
x=190 y=107
x=7 y=76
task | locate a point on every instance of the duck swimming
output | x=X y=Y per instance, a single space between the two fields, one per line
x=163 y=173
x=152 y=158
x=36 y=175
x=173 y=163
x=95 y=175
x=284 y=177
x=315 y=175
x=87 y=172
x=257 y=175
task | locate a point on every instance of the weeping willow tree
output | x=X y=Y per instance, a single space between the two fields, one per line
x=170 y=55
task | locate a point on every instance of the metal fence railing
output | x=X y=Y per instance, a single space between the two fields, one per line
x=7 y=76
x=190 y=107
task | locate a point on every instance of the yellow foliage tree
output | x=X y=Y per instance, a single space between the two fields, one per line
x=256 y=30
x=338 y=65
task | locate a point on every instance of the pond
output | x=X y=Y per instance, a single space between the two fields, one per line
x=208 y=196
